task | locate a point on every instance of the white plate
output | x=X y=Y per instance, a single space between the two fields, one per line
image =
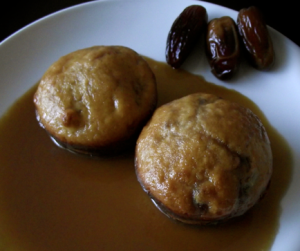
x=143 y=26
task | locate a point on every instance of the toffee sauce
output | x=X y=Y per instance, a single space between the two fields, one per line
x=51 y=199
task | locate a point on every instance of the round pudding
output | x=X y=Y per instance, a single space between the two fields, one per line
x=96 y=100
x=204 y=160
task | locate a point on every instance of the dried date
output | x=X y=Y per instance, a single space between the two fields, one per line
x=184 y=34
x=223 y=47
x=256 y=39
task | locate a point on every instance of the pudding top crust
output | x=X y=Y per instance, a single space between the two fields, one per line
x=204 y=158
x=96 y=96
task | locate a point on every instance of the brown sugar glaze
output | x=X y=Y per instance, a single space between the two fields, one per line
x=52 y=199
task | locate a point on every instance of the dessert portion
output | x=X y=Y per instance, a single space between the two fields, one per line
x=96 y=100
x=204 y=160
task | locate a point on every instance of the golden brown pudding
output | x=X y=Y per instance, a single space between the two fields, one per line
x=203 y=159
x=96 y=100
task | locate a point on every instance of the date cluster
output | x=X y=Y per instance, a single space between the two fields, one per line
x=225 y=40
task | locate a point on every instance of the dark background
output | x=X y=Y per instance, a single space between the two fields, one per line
x=282 y=16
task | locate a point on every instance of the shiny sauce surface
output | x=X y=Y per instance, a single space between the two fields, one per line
x=52 y=199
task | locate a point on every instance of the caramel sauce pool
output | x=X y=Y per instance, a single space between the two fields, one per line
x=51 y=199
